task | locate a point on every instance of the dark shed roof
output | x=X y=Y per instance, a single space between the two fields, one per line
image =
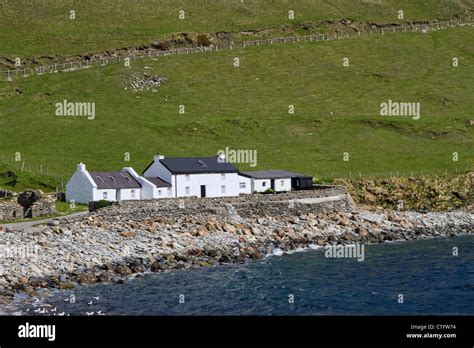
x=114 y=180
x=273 y=174
x=158 y=182
x=196 y=165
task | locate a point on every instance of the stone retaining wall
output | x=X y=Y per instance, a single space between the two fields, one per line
x=10 y=210
x=245 y=205
x=42 y=207
x=30 y=204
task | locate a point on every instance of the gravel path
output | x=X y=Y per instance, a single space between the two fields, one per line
x=29 y=224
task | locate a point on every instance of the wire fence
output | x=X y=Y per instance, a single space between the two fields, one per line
x=44 y=170
x=88 y=63
x=20 y=166
x=457 y=170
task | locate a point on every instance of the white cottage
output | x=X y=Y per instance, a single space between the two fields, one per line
x=195 y=176
x=85 y=186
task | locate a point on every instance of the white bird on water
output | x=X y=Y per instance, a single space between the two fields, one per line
x=96 y=298
x=37 y=310
x=100 y=312
x=89 y=303
x=53 y=310
x=89 y=313
x=61 y=314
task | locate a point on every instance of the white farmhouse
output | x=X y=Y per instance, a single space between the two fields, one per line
x=179 y=177
x=85 y=186
x=196 y=176
x=276 y=180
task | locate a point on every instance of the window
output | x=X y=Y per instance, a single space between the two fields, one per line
x=104 y=195
x=223 y=189
x=264 y=183
x=132 y=193
x=188 y=190
x=186 y=177
x=242 y=185
x=159 y=192
x=282 y=182
x=223 y=176
x=169 y=191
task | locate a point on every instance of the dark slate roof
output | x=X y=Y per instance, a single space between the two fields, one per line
x=114 y=180
x=158 y=182
x=196 y=165
x=273 y=174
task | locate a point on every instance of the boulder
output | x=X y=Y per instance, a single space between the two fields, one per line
x=123 y=270
x=127 y=234
x=27 y=198
x=161 y=45
x=230 y=228
x=203 y=40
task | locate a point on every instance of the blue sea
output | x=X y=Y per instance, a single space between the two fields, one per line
x=400 y=278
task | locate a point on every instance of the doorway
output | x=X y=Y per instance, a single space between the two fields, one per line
x=203 y=190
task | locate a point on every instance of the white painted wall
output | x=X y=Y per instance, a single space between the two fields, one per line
x=283 y=185
x=80 y=186
x=99 y=195
x=164 y=192
x=248 y=185
x=261 y=185
x=212 y=181
x=129 y=194
x=148 y=190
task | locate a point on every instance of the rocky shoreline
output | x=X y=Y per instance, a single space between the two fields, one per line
x=131 y=238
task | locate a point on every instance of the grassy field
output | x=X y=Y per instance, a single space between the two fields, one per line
x=32 y=28
x=336 y=108
x=11 y=178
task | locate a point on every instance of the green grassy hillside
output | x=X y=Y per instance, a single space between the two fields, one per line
x=13 y=179
x=246 y=107
x=43 y=27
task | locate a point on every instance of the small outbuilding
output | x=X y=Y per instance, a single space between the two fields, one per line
x=277 y=180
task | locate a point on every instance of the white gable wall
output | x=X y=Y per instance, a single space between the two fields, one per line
x=80 y=187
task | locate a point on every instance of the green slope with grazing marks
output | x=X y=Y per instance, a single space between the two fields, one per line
x=43 y=27
x=336 y=108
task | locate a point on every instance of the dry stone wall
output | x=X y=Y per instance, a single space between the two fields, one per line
x=30 y=204
x=245 y=205
x=10 y=210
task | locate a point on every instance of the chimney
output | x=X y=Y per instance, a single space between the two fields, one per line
x=81 y=167
x=159 y=157
x=221 y=158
